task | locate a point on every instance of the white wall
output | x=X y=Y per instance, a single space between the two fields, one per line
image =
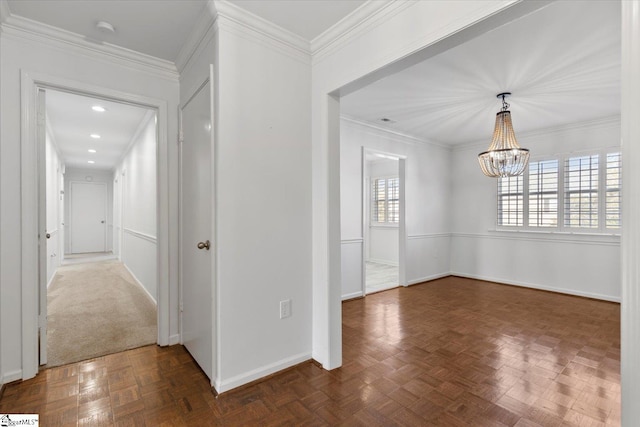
x=87 y=175
x=587 y=265
x=54 y=200
x=135 y=199
x=427 y=198
x=263 y=205
x=22 y=51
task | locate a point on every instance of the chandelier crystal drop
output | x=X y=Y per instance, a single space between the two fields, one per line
x=504 y=156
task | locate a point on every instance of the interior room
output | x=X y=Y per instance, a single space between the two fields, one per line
x=286 y=147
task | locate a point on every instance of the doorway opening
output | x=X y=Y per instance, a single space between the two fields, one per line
x=98 y=189
x=381 y=221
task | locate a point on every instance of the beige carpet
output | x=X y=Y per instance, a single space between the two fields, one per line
x=96 y=309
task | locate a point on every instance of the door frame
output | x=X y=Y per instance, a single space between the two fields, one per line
x=402 y=227
x=215 y=351
x=32 y=170
x=106 y=207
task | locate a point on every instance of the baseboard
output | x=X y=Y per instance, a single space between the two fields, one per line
x=383 y=261
x=11 y=376
x=352 y=295
x=53 y=276
x=174 y=339
x=428 y=278
x=245 y=378
x=139 y=283
x=539 y=287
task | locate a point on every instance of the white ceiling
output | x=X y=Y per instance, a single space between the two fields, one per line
x=73 y=121
x=155 y=27
x=562 y=64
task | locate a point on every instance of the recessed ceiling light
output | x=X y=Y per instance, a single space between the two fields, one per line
x=91 y=150
x=105 y=27
x=99 y=108
x=90 y=161
x=95 y=136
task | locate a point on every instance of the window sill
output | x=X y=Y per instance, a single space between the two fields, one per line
x=380 y=225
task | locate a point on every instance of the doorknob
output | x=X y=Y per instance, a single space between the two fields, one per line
x=48 y=235
x=102 y=222
x=204 y=245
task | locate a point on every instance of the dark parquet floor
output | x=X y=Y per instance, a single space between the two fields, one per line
x=452 y=352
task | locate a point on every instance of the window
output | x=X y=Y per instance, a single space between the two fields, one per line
x=386 y=200
x=565 y=193
x=510 y=197
x=543 y=193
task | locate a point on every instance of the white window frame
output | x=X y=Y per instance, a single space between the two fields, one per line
x=386 y=223
x=561 y=228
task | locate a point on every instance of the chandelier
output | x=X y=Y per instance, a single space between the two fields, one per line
x=504 y=157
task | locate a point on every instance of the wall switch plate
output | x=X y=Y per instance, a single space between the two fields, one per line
x=285 y=308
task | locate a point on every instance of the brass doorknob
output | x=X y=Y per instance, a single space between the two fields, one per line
x=204 y=245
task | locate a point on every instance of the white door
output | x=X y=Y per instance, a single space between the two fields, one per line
x=197 y=246
x=88 y=217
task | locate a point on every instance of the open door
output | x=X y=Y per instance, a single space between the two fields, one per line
x=43 y=236
x=197 y=247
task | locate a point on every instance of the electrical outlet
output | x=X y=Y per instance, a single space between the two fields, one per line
x=285 y=308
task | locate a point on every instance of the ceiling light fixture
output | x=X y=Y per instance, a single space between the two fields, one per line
x=99 y=108
x=95 y=136
x=90 y=161
x=504 y=157
x=91 y=150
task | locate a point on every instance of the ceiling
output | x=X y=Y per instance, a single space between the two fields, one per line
x=562 y=64
x=72 y=121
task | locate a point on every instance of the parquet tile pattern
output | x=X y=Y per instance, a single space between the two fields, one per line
x=452 y=352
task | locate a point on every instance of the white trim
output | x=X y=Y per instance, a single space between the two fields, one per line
x=174 y=339
x=140 y=285
x=377 y=129
x=255 y=374
x=244 y=23
x=11 y=376
x=352 y=241
x=33 y=31
x=141 y=235
x=29 y=204
x=384 y=262
x=605 y=122
x=545 y=237
x=537 y=286
x=428 y=278
x=352 y=295
x=358 y=22
x=428 y=236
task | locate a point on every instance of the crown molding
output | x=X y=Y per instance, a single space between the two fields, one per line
x=231 y=16
x=197 y=36
x=5 y=12
x=601 y=122
x=361 y=20
x=380 y=129
x=27 y=29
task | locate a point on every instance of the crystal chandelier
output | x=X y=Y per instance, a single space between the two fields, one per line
x=504 y=157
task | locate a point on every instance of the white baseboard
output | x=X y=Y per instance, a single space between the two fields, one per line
x=427 y=278
x=352 y=295
x=174 y=339
x=139 y=283
x=539 y=287
x=11 y=376
x=53 y=276
x=384 y=261
x=245 y=378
